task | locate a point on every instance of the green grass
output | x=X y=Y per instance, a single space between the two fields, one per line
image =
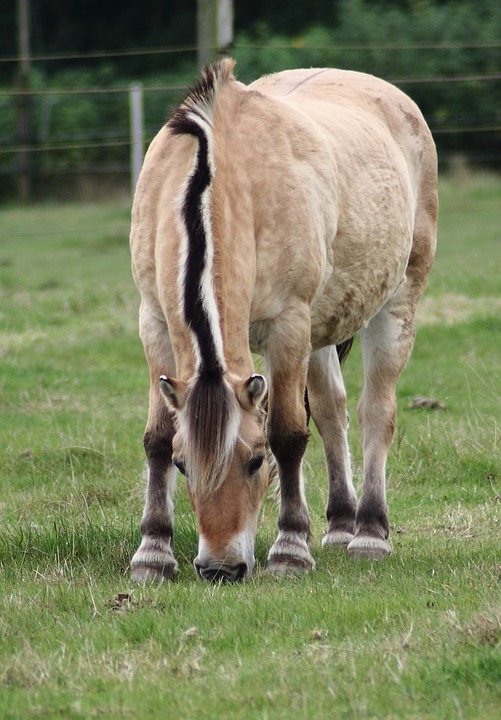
x=418 y=636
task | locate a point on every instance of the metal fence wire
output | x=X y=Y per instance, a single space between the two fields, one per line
x=99 y=130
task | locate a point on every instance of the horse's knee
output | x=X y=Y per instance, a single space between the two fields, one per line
x=287 y=445
x=158 y=447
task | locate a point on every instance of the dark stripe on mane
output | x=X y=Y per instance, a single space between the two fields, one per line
x=211 y=413
x=194 y=312
x=202 y=93
x=183 y=123
x=198 y=95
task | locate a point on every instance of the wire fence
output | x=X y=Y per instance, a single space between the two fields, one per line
x=173 y=50
x=70 y=137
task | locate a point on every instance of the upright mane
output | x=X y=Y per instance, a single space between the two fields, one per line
x=210 y=417
x=201 y=98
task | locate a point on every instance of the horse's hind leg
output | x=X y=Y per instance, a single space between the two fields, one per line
x=327 y=399
x=154 y=559
x=386 y=346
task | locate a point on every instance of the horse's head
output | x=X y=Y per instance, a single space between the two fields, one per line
x=220 y=447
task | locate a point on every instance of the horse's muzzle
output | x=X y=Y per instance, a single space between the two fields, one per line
x=217 y=572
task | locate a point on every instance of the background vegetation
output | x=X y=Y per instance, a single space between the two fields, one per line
x=445 y=53
x=417 y=636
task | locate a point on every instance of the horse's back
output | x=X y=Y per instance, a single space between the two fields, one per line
x=358 y=106
x=379 y=158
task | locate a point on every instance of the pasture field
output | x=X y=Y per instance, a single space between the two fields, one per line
x=415 y=637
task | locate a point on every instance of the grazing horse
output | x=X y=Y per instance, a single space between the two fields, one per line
x=279 y=218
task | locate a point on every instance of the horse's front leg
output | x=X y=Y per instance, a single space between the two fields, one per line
x=287 y=353
x=154 y=559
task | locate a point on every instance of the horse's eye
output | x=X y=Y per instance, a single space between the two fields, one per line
x=180 y=465
x=254 y=464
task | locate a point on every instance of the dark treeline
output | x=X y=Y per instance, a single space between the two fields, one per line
x=93 y=25
x=446 y=54
x=90 y=25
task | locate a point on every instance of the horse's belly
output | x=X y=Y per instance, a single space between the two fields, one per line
x=346 y=306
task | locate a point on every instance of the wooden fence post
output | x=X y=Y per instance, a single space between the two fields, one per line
x=24 y=120
x=136 y=133
x=214 y=29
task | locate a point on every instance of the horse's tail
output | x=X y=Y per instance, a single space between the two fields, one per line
x=343 y=349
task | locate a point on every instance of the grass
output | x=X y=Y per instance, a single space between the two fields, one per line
x=418 y=636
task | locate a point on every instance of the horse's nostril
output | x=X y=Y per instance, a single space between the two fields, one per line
x=241 y=572
x=218 y=575
x=222 y=573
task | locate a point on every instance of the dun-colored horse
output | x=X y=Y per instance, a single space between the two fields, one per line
x=280 y=218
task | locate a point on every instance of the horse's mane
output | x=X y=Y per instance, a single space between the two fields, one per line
x=210 y=418
x=201 y=97
x=198 y=246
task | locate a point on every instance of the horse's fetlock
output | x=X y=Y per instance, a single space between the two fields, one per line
x=155 y=527
x=297 y=522
x=342 y=511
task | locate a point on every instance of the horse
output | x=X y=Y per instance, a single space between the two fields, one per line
x=279 y=218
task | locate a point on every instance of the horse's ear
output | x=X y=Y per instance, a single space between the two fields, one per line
x=252 y=391
x=174 y=392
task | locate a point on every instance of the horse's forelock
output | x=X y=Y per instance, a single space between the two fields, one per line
x=209 y=425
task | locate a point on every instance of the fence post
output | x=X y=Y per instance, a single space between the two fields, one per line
x=136 y=133
x=214 y=29
x=24 y=109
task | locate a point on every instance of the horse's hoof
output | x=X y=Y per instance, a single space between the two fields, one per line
x=282 y=565
x=337 y=539
x=152 y=573
x=153 y=562
x=289 y=556
x=369 y=548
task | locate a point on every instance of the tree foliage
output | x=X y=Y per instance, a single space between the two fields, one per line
x=439 y=53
